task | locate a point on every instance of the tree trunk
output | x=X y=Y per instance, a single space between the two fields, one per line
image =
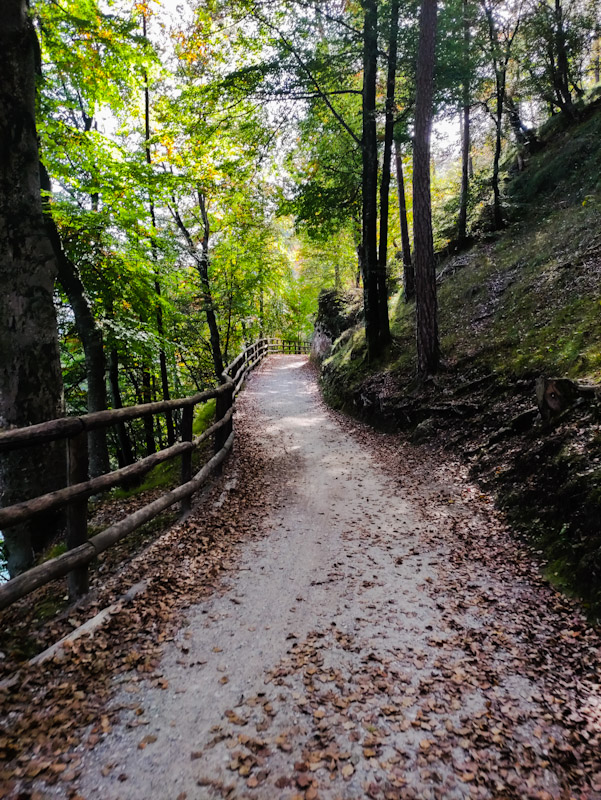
x=30 y=370
x=153 y=245
x=465 y=131
x=465 y=176
x=369 y=254
x=90 y=335
x=500 y=60
x=497 y=210
x=408 y=272
x=518 y=128
x=385 y=179
x=147 y=419
x=203 y=271
x=163 y=364
x=125 y=454
x=428 y=352
x=562 y=71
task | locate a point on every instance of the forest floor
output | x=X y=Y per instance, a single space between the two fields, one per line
x=363 y=626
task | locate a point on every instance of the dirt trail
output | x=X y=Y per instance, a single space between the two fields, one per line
x=375 y=641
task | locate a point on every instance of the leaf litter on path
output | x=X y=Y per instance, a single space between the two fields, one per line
x=384 y=642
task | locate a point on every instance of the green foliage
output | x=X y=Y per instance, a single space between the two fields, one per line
x=568 y=168
x=204 y=416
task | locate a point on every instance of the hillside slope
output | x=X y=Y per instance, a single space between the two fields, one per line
x=518 y=305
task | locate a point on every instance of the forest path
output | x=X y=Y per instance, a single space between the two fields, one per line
x=376 y=640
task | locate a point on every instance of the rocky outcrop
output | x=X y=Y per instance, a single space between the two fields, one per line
x=337 y=312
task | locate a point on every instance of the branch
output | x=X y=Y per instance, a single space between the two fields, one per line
x=277 y=95
x=311 y=77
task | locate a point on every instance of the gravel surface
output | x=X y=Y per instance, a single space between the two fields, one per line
x=383 y=637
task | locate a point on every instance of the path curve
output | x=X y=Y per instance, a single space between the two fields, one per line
x=375 y=641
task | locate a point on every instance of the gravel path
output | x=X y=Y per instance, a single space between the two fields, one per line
x=378 y=640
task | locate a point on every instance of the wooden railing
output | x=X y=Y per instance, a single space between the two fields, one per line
x=74 y=430
x=292 y=346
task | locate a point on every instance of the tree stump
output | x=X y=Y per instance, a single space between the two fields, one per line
x=556 y=395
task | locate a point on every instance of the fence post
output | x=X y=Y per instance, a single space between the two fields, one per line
x=186 y=465
x=225 y=401
x=77 y=511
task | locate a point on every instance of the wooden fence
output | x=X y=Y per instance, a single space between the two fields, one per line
x=74 y=430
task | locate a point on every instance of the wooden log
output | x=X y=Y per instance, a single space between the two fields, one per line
x=77 y=512
x=102 y=541
x=234 y=364
x=40 y=434
x=241 y=373
x=46 y=502
x=556 y=395
x=89 y=627
x=58 y=567
x=71 y=426
x=44 y=573
x=224 y=404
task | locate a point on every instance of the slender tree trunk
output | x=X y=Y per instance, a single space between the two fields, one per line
x=357 y=234
x=428 y=352
x=513 y=115
x=408 y=272
x=153 y=245
x=500 y=59
x=150 y=444
x=465 y=176
x=465 y=131
x=125 y=454
x=203 y=271
x=385 y=179
x=31 y=387
x=202 y=265
x=562 y=72
x=90 y=335
x=228 y=327
x=497 y=209
x=369 y=253
x=163 y=365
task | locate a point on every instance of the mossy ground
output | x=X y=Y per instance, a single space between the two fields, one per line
x=523 y=303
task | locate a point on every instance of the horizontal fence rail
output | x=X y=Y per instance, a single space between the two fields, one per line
x=73 y=430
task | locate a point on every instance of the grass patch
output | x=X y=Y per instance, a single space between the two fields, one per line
x=167 y=474
x=204 y=416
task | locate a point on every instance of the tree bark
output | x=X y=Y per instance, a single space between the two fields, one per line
x=428 y=351
x=385 y=179
x=500 y=60
x=496 y=189
x=153 y=245
x=561 y=73
x=149 y=442
x=369 y=252
x=30 y=372
x=125 y=454
x=163 y=365
x=90 y=335
x=465 y=131
x=408 y=272
x=203 y=271
x=201 y=260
